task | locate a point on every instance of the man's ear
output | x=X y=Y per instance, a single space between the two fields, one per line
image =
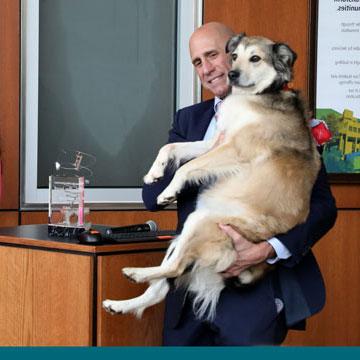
x=232 y=44
x=283 y=59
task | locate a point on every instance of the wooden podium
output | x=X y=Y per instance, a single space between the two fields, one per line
x=51 y=290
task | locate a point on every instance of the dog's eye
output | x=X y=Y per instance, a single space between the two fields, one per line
x=234 y=57
x=255 y=58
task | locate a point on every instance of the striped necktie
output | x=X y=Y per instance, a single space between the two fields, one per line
x=217 y=108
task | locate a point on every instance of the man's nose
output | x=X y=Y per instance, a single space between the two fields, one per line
x=208 y=67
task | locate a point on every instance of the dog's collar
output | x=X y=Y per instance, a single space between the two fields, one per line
x=286 y=87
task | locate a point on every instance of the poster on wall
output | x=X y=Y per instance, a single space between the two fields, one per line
x=338 y=85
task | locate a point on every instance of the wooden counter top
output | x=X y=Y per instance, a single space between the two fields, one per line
x=36 y=236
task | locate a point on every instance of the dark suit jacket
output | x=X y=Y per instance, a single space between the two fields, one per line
x=299 y=278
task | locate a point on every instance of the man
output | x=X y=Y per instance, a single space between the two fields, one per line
x=263 y=312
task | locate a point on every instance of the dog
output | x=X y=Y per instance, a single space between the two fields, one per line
x=259 y=170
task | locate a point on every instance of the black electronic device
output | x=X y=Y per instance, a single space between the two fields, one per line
x=148 y=226
x=90 y=237
x=139 y=236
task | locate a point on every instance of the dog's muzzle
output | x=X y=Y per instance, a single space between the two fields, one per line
x=233 y=76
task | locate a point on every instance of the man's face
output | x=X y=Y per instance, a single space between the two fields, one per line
x=211 y=63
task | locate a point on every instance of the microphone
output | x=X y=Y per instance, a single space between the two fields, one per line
x=148 y=226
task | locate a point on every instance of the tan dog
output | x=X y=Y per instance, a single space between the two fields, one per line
x=264 y=170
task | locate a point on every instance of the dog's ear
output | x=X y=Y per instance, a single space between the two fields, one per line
x=286 y=55
x=283 y=59
x=233 y=43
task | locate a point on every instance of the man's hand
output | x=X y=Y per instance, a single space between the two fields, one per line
x=248 y=253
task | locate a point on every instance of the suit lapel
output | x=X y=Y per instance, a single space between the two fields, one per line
x=201 y=124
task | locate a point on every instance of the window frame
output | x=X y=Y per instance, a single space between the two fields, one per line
x=188 y=92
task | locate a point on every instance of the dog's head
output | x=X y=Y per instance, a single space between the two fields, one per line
x=258 y=64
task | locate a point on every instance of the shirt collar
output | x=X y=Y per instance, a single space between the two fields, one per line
x=217 y=101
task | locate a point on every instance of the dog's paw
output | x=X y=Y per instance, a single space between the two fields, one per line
x=166 y=197
x=134 y=274
x=155 y=173
x=246 y=277
x=152 y=177
x=157 y=169
x=122 y=307
x=112 y=307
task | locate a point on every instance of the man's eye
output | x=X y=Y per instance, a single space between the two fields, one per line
x=255 y=58
x=234 y=57
x=213 y=54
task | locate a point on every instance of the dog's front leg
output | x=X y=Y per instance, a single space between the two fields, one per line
x=177 y=183
x=218 y=161
x=156 y=171
x=176 y=152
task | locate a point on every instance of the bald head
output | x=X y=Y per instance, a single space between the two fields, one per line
x=215 y=30
x=207 y=51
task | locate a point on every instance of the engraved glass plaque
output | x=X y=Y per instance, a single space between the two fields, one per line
x=66 y=206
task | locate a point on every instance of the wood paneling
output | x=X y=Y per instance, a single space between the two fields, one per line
x=9 y=101
x=338 y=255
x=45 y=298
x=166 y=220
x=121 y=330
x=347 y=195
x=9 y=218
x=274 y=19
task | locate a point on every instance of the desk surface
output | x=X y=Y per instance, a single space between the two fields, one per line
x=36 y=236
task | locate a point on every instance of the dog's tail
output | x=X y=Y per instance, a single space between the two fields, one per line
x=205 y=286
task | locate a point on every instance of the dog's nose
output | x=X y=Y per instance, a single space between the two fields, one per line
x=233 y=74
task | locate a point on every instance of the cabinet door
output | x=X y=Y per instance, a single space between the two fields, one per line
x=126 y=330
x=45 y=298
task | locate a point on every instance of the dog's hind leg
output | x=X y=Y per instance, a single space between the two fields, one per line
x=176 y=152
x=178 y=259
x=154 y=294
x=174 y=266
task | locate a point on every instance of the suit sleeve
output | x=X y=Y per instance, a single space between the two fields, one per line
x=321 y=218
x=151 y=192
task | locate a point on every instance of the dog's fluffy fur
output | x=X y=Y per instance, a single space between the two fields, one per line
x=264 y=168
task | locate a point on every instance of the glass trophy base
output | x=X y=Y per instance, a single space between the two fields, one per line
x=67 y=213
x=65 y=231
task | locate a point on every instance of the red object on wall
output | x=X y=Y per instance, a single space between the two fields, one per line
x=320 y=131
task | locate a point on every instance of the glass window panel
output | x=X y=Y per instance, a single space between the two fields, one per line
x=106 y=84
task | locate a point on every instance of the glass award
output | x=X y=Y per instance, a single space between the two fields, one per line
x=67 y=213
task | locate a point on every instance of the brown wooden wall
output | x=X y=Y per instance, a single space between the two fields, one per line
x=274 y=19
x=9 y=102
x=288 y=21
